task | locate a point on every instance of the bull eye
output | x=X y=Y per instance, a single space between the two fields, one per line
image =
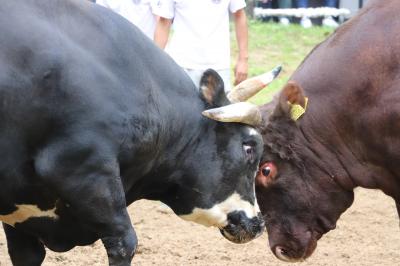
x=266 y=174
x=249 y=151
x=268 y=170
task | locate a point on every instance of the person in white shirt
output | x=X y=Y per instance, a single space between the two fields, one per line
x=138 y=12
x=201 y=36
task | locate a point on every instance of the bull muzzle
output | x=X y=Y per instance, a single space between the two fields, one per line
x=241 y=229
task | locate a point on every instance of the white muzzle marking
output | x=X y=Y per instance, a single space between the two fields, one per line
x=218 y=215
x=26 y=211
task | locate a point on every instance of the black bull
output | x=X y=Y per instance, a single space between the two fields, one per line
x=335 y=126
x=93 y=117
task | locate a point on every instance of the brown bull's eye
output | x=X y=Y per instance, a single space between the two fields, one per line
x=266 y=171
x=266 y=174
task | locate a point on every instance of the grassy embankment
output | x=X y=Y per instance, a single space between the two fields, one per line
x=271 y=44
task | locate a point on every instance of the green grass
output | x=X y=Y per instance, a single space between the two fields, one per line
x=271 y=44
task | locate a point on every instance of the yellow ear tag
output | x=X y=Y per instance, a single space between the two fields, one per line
x=296 y=110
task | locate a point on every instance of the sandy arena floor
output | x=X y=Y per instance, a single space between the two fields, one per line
x=367 y=234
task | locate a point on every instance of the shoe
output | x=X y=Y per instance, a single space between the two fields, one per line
x=329 y=22
x=305 y=22
x=284 y=21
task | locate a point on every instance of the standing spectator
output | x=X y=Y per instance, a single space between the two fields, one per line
x=284 y=4
x=139 y=12
x=201 y=37
x=327 y=21
x=281 y=4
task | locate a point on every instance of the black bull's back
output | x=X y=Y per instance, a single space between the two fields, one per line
x=60 y=76
x=93 y=117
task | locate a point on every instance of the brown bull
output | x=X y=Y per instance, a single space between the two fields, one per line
x=334 y=127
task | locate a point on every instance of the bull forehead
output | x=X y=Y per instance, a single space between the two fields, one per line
x=218 y=214
x=25 y=212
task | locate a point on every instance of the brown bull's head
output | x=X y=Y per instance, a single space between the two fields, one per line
x=300 y=201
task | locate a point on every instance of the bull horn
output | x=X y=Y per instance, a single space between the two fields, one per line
x=242 y=112
x=249 y=87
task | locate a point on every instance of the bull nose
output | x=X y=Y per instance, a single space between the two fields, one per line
x=285 y=254
x=242 y=229
x=282 y=253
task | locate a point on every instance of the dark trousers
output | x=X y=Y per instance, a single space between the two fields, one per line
x=299 y=3
x=281 y=4
x=328 y=3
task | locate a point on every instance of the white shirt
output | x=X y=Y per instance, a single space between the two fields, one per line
x=201 y=37
x=139 y=12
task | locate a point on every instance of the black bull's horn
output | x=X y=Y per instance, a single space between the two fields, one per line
x=240 y=111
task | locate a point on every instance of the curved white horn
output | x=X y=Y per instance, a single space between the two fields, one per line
x=249 y=87
x=242 y=112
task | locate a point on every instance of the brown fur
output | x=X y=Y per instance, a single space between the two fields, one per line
x=348 y=137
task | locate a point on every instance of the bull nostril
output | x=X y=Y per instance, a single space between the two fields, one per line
x=237 y=218
x=282 y=254
x=281 y=251
x=286 y=254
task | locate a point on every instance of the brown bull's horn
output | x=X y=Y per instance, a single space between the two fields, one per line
x=242 y=112
x=249 y=87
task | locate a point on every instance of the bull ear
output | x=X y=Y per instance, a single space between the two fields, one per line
x=292 y=101
x=212 y=89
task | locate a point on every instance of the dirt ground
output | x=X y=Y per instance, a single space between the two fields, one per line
x=367 y=234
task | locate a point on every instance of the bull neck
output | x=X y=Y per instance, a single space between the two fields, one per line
x=343 y=162
x=314 y=154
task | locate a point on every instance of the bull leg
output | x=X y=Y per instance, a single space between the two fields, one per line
x=24 y=250
x=87 y=179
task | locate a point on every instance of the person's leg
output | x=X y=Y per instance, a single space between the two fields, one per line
x=305 y=22
x=331 y=3
x=284 y=3
x=328 y=20
x=265 y=4
x=302 y=3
